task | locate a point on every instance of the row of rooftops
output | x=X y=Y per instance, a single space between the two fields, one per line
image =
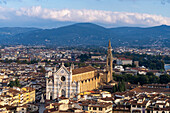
x=126 y=100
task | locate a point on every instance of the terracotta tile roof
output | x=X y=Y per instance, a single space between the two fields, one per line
x=101 y=104
x=136 y=103
x=11 y=90
x=146 y=89
x=124 y=59
x=83 y=70
x=107 y=99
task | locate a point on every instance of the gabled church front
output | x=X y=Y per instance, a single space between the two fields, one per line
x=59 y=83
x=69 y=82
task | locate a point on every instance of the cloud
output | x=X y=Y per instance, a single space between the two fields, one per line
x=6 y=13
x=37 y=13
x=99 y=16
x=3 y=1
x=163 y=2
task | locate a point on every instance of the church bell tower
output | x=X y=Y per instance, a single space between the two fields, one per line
x=109 y=63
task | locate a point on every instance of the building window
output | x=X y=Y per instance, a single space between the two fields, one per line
x=100 y=109
x=63 y=78
x=133 y=105
x=94 y=108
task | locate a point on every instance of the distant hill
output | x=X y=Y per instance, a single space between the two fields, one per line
x=88 y=34
x=10 y=31
x=6 y=33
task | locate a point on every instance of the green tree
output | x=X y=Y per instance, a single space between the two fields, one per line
x=119 y=87
x=149 y=74
x=14 y=83
x=84 y=57
x=42 y=69
x=142 y=79
x=153 y=79
x=114 y=89
x=67 y=64
x=164 y=79
x=123 y=86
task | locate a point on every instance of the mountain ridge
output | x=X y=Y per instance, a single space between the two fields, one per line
x=89 y=34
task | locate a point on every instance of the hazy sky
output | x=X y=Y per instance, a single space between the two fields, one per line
x=109 y=13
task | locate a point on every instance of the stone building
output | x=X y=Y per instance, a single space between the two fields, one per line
x=109 y=64
x=123 y=61
x=106 y=76
x=68 y=82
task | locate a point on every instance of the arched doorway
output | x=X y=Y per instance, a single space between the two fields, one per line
x=63 y=93
x=51 y=95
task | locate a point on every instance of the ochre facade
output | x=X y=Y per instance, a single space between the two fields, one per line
x=88 y=78
x=69 y=82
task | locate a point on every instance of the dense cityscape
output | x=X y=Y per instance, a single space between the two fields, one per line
x=41 y=79
x=84 y=56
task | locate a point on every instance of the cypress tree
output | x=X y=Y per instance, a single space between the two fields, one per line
x=114 y=89
x=119 y=87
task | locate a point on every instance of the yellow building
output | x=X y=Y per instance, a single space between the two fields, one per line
x=28 y=94
x=88 y=77
x=17 y=96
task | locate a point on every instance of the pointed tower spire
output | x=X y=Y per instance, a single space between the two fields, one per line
x=109 y=44
x=71 y=69
x=109 y=63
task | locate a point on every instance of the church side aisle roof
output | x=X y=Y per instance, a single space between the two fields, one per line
x=83 y=70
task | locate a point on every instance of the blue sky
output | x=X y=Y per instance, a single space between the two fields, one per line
x=109 y=13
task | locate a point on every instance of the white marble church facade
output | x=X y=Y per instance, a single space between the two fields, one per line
x=59 y=83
